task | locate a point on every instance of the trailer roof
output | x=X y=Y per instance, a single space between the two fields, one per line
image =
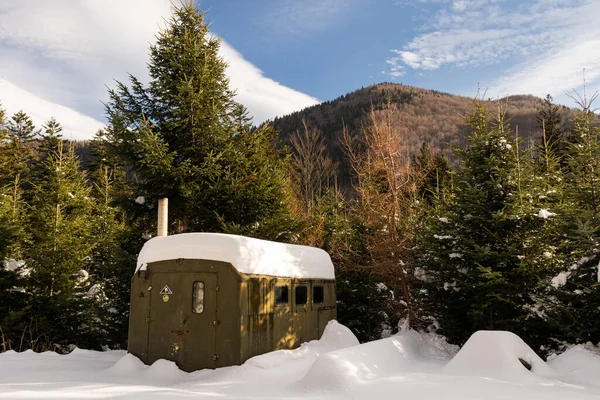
x=247 y=255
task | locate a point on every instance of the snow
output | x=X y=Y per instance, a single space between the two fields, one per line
x=451 y=285
x=407 y=365
x=580 y=364
x=247 y=255
x=407 y=352
x=561 y=279
x=18 y=266
x=545 y=214
x=335 y=367
x=334 y=337
x=421 y=275
x=10 y=264
x=497 y=354
x=96 y=292
x=81 y=276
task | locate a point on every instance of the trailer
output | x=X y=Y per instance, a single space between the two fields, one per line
x=208 y=300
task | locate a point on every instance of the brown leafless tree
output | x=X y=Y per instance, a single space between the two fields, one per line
x=314 y=171
x=386 y=183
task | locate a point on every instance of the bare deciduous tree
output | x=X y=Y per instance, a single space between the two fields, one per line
x=386 y=184
x=314 y=170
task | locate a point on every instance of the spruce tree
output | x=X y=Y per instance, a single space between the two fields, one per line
x=481 y=251
x=22 y=134
x=50 y=139
x=184 y=137
x=116 y=244
x=61 y=233
x=12 y=236
x=6 y=226
x=576 y=296
x=435 y=174
x=16 y=157
x=553 y=138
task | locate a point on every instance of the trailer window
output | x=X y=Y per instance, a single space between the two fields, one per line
x=282 y=294
x=301 y=295
x=198 y=298
x=318 y=294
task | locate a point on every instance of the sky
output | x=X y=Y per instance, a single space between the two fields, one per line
x=57 y=57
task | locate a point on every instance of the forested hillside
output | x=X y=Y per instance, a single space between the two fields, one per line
x=425 y=116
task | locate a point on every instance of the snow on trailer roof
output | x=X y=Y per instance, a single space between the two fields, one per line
x=247 y=255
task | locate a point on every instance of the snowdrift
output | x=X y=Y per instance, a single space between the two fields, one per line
x=406 y=352
x=162 y=371
x=497 y=354
x=407 y=365
x=579 y=364
x=335 y=336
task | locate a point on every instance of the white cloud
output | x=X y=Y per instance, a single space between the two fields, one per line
x=542 y=45
x=556 y=74
x=76 y=126
x=263 y=97
x=65 y=52
x=395 y=70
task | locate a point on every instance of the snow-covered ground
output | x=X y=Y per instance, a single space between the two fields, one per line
x=407 y=365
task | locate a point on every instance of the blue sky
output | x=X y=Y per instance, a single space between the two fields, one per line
x=328 y=47
x=57 y=57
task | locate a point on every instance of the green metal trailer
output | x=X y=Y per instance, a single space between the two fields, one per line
x=211 y=300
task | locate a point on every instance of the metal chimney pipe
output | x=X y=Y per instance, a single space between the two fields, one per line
x=163 y=216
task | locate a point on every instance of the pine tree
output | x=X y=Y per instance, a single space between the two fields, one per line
x=50 y=139
x=435 y=174
x=482 y=251
x=116 y=245
x=6 y=226
x=185 y=137
x=22 y=134
x=12 y=236
x=16 y=156
x=541 y=210
x=61 y=233
x=553 y=139
x=576 y=296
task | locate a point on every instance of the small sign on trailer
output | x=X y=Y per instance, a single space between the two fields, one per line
x=166 y=290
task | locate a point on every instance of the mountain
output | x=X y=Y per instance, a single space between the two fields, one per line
x=425 y=115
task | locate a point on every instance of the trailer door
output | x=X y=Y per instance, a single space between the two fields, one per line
x=200 y=324
x=183 y=319
x=164 y=316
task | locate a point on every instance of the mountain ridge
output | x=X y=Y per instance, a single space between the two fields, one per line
x=424 y=115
